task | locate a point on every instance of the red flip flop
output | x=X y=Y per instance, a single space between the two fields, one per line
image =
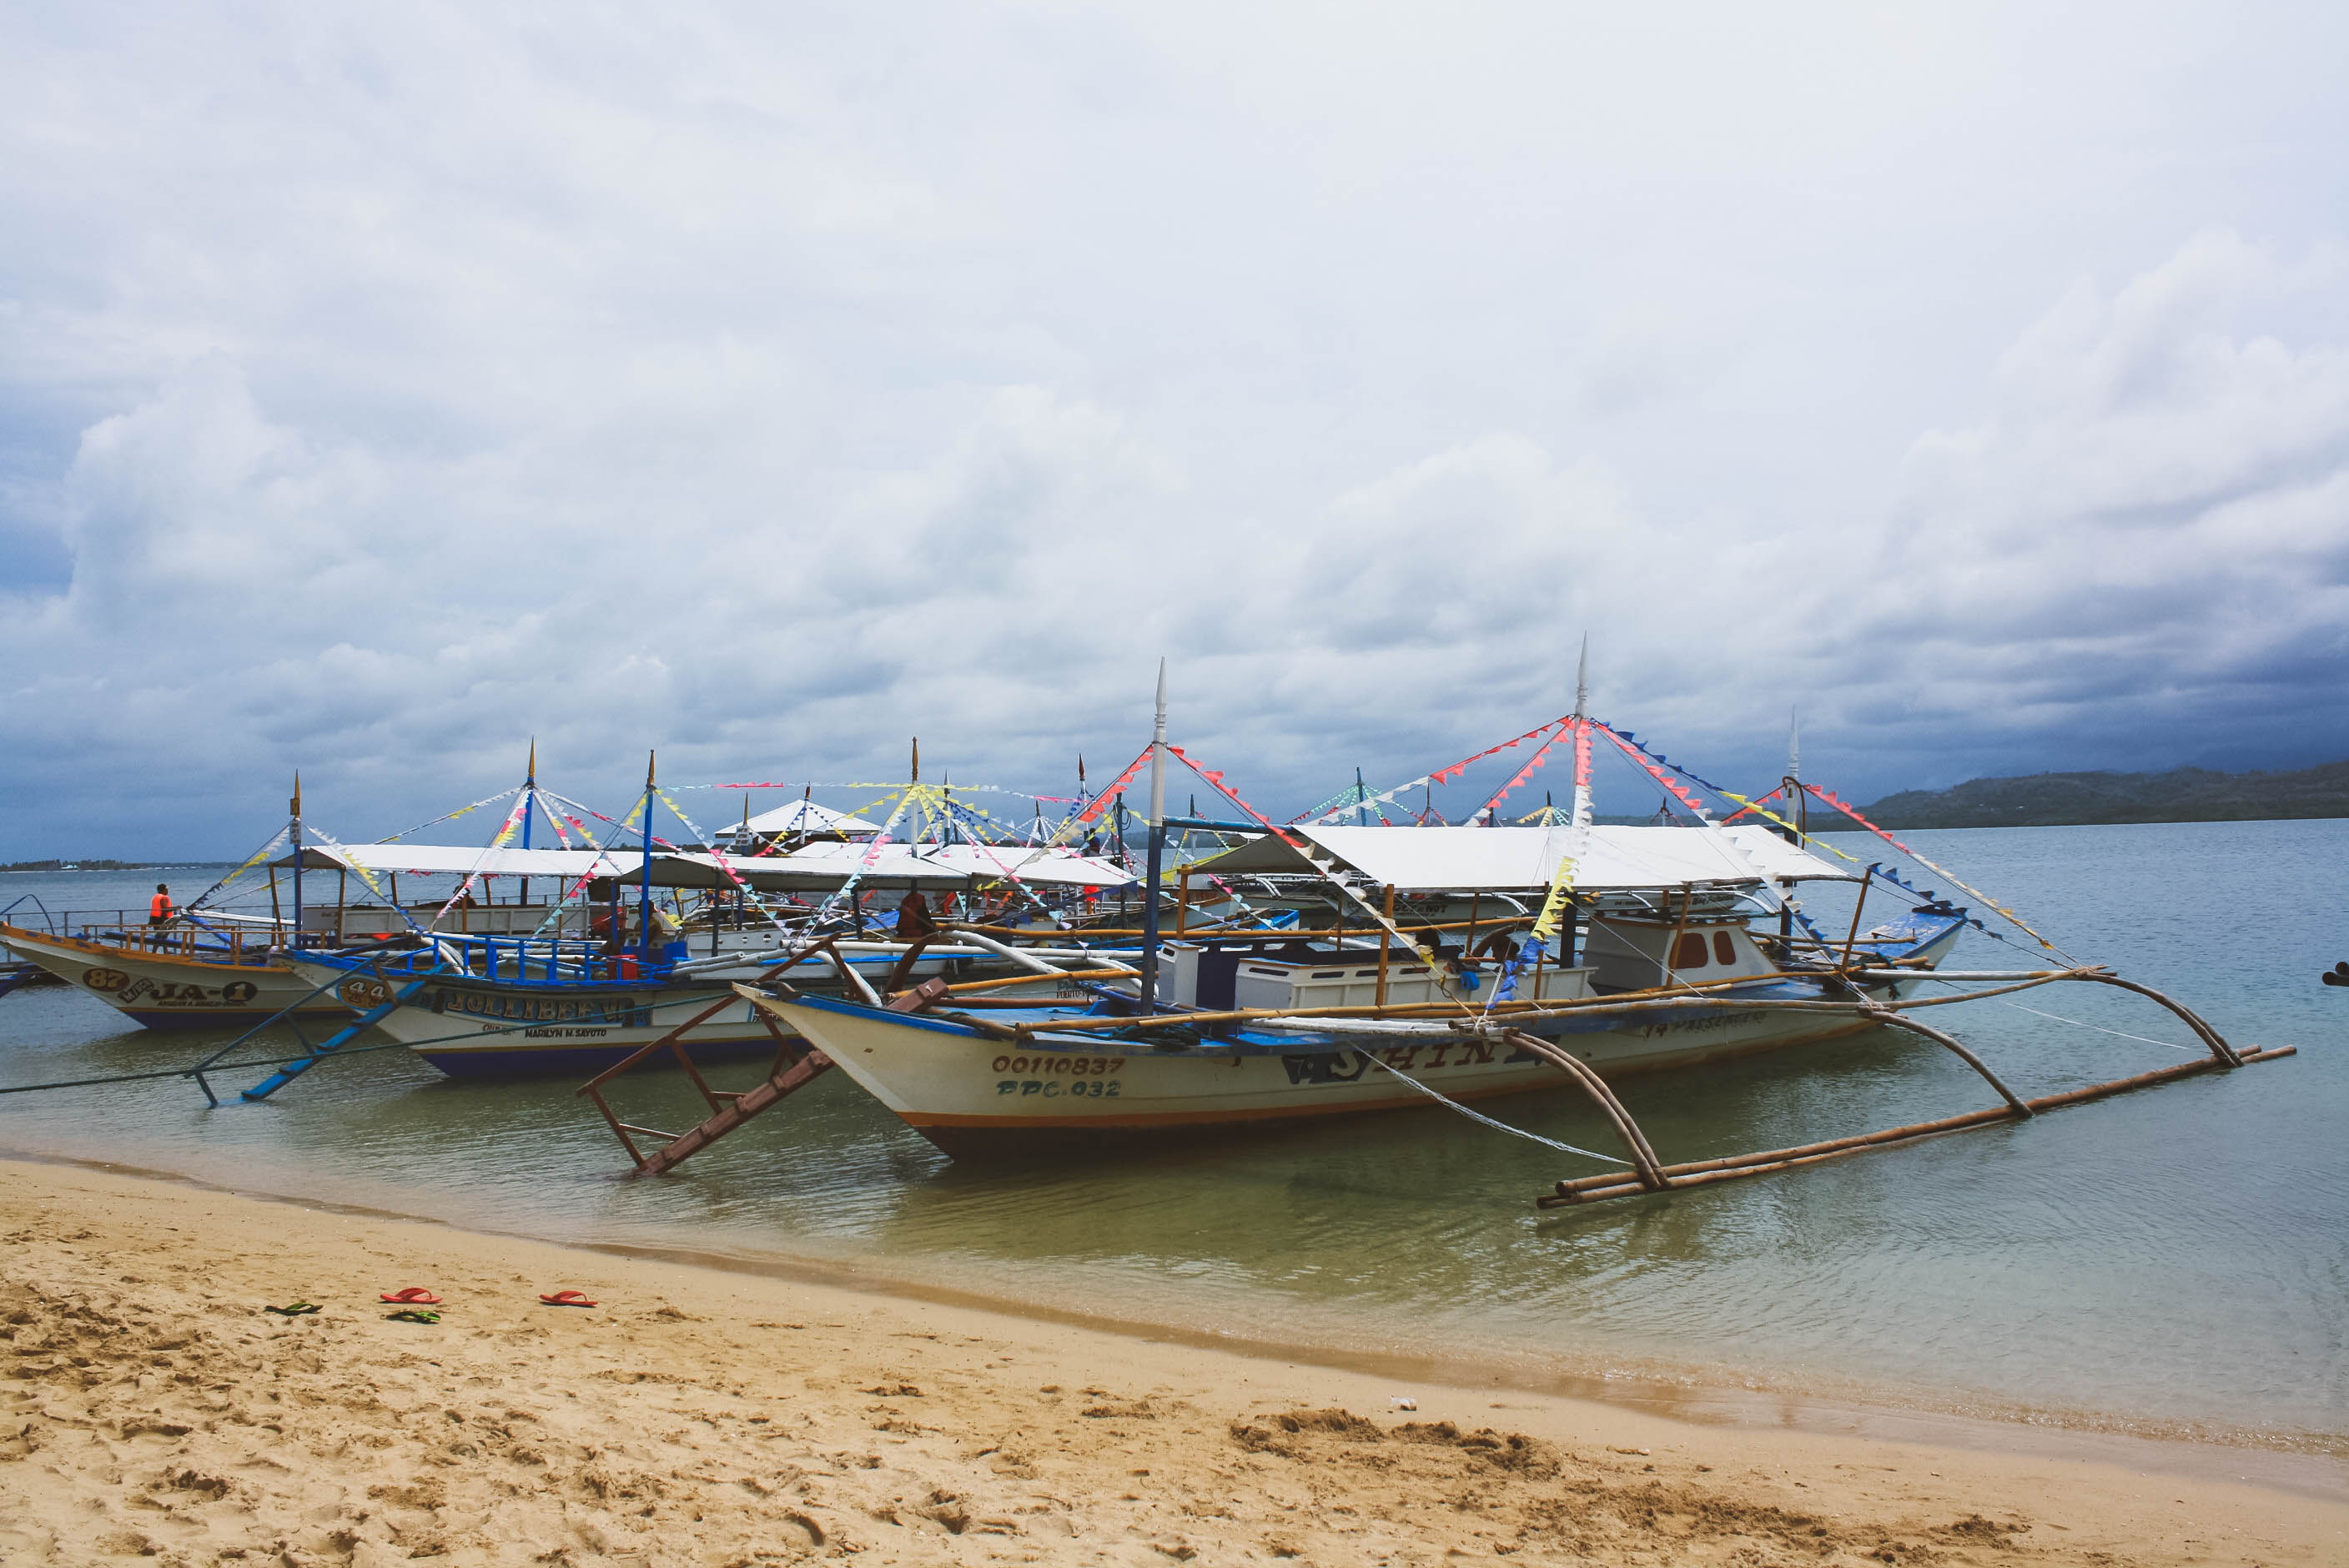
x=414 y=1295
x=568 y=1298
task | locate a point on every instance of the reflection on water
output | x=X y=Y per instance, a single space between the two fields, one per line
x=2172 y=1256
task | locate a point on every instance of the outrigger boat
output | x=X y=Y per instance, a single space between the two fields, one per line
x=220 y=964
x=1644 y=955
x=1276 y=1026
x=475 y=1005
x=207 y=966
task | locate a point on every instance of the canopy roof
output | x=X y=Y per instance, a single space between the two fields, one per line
x=805 y=817
x=1522 y=859
x=460 y=860
x=827 y=866
x=816 y=868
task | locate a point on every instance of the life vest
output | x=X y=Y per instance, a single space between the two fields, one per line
x=158 y=906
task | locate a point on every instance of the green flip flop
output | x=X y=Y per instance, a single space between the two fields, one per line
x=412 y=1314
x=296 y=1310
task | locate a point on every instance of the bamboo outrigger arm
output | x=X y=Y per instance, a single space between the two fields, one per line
x=1900 y=1021
x=1028 y=961
x=1643 y=1155
x=2226 y=1054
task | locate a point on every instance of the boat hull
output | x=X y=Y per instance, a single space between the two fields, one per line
x=976 y=1097
x=162 y=991
x=470 y=1028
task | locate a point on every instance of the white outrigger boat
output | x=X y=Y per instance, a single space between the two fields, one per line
x=1640 y=953
x=1656 y=965
x=1662 y=973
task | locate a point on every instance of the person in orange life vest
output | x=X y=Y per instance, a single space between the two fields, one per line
x=160 y=909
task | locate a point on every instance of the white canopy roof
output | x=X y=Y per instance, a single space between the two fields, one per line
x=826 y=865
x=462 y=859
x=819 y=867
x=1522 y=859
x=805 y=817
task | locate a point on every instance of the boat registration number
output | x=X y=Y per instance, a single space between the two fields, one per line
x=1088 y=1078
x=1054 y=1088
x=1053 y=1066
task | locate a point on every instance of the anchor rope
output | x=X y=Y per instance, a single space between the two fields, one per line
x=1479 y=1116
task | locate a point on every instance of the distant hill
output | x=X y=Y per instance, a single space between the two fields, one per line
x=2061 y=799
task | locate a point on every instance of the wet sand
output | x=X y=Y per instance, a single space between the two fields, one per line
x=154 y=1412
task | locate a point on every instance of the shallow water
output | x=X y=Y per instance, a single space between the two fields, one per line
x=2173 y=1262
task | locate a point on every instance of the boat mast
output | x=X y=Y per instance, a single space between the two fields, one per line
x=294 y=808
x=1797 y=797
x=645 y=884
x=1157 y=848
x=1792 y=784
x=1570 y=951
x=529 y=808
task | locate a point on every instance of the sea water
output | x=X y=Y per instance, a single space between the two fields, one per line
x=2173 y=1262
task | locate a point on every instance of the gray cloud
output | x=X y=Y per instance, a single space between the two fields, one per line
x=378 y=390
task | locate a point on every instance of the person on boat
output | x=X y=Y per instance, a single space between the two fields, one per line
x=913 y=922
x=160 y=909
x=1500 y=945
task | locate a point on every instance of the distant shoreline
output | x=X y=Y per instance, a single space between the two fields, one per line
x=1841 y=824
x=2118 y=799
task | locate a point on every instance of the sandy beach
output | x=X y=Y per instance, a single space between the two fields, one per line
x=694 y=1416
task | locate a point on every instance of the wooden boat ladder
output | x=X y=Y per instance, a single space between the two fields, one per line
x=796 y=1065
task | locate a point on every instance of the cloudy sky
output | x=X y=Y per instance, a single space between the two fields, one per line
x=382 y=385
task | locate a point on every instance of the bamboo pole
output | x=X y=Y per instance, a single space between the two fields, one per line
x=1381 y=995
x=1858 y=904
x=974 y=987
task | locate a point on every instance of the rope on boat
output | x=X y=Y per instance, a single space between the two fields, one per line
x=1478 y=1116
x=2099 y=1028
x=196 y=1072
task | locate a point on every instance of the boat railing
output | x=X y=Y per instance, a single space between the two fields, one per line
x=184 y=936
x=519 y=960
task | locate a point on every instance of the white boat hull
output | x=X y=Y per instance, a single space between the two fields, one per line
x=973 y=1095
x=162 y=991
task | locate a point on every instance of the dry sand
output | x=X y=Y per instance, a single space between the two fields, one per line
x=152 y=1410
